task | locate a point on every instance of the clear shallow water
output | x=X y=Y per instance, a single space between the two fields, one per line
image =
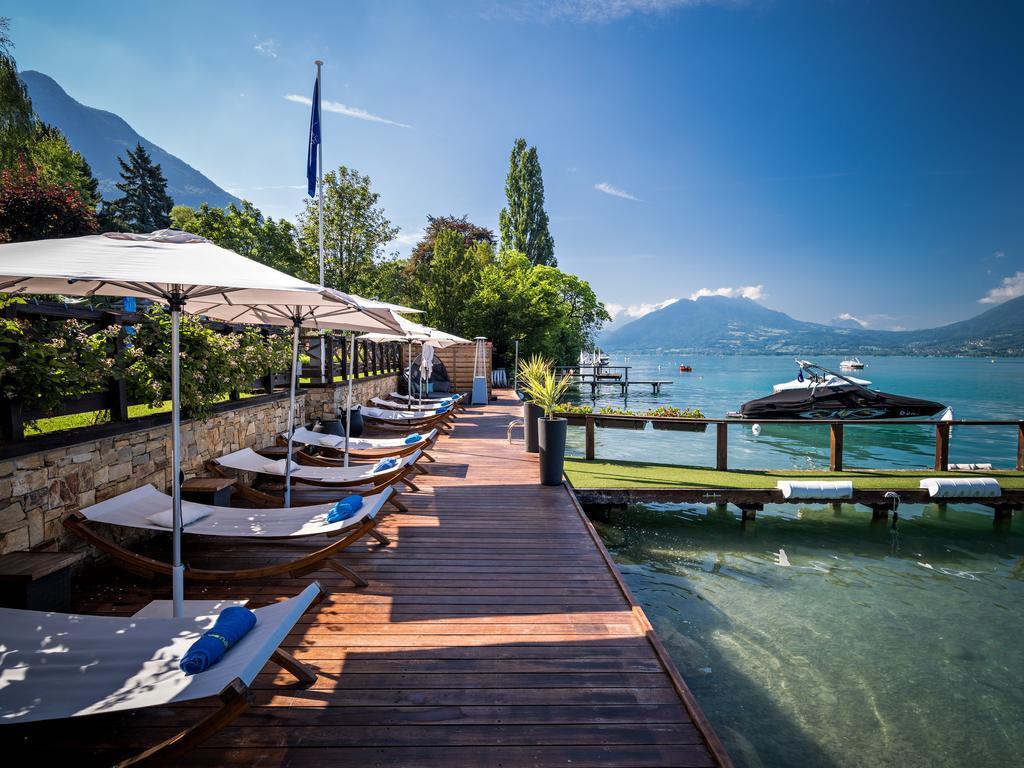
x=812 y=638
x=975 y=388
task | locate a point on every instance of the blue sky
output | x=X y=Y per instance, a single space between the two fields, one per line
x=827 y=158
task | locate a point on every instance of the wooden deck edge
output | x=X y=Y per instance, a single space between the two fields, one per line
x=1011 y=497
x=700 y=720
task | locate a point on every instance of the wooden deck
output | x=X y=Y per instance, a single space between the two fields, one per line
x=495 y=632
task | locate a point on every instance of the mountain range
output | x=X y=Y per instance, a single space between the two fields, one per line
x=102 y=137
x=718 y=324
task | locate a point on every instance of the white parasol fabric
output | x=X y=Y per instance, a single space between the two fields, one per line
x=166 y=265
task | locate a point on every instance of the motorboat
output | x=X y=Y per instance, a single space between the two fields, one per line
x=820 y=394
x=851 y=364
x=684 y=368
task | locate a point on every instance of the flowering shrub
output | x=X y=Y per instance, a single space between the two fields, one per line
x=673 y=412
x=44 y=363
x=570 y=408
x=213 y=364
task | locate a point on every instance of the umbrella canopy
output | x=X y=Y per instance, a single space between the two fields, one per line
x=159 y=266
x=167 y=265
x=411 y=331
x=386 y=305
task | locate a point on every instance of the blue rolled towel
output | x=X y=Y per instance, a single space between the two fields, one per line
x=385 y=464
x=441 y=410
x=345 y=508
x=415 y=437
x=231 y=626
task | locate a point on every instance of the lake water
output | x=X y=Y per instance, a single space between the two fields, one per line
x=974 y=388
x=815 y=636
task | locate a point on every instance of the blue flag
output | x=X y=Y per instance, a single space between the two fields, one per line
x=314 y=141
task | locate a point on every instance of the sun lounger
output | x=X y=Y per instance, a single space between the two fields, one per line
x=56 y=666
x=333 y=447
x=141 y=507
x=406 y=421
x=248 y=460
x=419 y=409
x=435 y=400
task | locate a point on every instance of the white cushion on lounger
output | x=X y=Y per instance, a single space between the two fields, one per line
x=279 y=467
x=189 y=515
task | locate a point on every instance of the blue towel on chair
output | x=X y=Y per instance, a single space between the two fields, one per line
x=231 y=626
x=345 y=508
x=385 y=464
x=415 y=437
x=441 y=410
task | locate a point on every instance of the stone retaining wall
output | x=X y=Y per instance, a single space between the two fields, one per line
x=38 y=490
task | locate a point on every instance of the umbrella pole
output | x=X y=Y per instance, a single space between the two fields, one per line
x=291 y=414
x=178 y=570
x=348 y=401
x=410 y=370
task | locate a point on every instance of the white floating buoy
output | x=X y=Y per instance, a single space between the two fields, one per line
x=756 y=429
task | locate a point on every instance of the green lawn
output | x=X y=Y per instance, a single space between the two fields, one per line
x=637 y=474
x=90 y=418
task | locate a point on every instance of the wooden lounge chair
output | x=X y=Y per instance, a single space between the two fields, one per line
x=457 y=399
x=404 y=421
x=334 y=478
x=56 y=666
x=138 y=508
x=332 y=448
x=419 y=409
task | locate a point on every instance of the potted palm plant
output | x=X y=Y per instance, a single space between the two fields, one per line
x=546 y=390
x=530 y=370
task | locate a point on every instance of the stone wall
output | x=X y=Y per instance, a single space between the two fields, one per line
x=320 y=401
x=38 y=490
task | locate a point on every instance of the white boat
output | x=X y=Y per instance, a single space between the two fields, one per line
x=851 y=364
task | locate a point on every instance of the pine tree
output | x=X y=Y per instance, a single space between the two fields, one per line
x=145 y=206
x=524 y=223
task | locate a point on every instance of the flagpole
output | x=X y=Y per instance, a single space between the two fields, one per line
x=320 y=205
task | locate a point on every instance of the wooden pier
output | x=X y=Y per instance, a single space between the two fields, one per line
x=495 y=631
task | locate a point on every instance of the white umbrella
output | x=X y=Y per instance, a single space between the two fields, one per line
x=411 y=332
x=350 y=313
x=168 y=266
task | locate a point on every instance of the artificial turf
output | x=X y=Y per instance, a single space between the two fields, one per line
x=638 y=474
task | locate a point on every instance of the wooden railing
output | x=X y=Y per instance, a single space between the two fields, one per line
x=371 y=360
x=836 y=429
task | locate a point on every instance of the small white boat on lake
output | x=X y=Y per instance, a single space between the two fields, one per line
x=851 y=364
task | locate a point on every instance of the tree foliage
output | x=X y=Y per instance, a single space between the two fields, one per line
x=449 y=280
x=470 y=232
x=31 y=209
x=355 y=232
x=243 y=230
x=524 y=222
x=15 y=105
x=144 y=205
x=57 y=163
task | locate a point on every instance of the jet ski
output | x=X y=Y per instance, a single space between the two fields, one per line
x=820 y=394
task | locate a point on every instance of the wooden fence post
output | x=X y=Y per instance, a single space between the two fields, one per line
x=118 y=388
x=942 y=446
x=835 y=448
x=329 y=361
x=1020 y=447
x=11 y=426
x=722 y=446
x=589 y=433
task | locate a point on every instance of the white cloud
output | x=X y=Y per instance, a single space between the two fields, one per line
x=344 y=109
x=268 y=47
x=857 y=320
x=599 y=11
x=1011 y=288
x=999 y=255
x=409 y=238
x=633 y=311
x=608 y=189
x=754 y=292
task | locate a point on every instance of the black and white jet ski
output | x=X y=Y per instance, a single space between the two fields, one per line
x=820 y=394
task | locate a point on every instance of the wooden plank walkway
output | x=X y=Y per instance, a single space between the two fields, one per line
x=495 y=631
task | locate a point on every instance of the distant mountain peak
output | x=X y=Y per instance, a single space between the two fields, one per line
x=723 y=324
x=102 y=137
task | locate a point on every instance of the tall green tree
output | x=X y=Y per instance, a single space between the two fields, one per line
x=57 y=163
x=145 y=205
x=355 y=232
x=524 y=223
x=15 y=105
x=450 y=280
x=244 y=230
x=471 y=234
